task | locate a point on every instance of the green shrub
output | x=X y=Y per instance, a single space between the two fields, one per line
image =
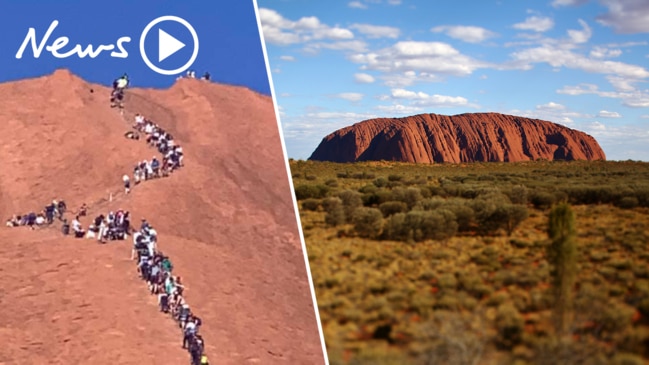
x=310 y=191
x=394 y=228
x=542 y=199
x=421 y=225
x=368 y=189
x=376 y=198
x=615 y=316
x=512 y=215
x=368 y=222
x=380 y=182
x=311 y=204
x=493 y=214
x=333 y=183
x=473 y=284
x=363 y=175
x=464 y=215
x=393 y=207
x=436 y=191
x=628 y=202
x=410 y=195
x=447 y=301
x=335 y=211
x=447 y=281
x=518 y=194
x=351 y=201
x=430 y=204
x=509 y=323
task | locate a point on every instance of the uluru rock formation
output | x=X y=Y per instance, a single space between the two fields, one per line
x=471 y=137
x=226 y=220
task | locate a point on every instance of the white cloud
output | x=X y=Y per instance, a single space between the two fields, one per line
x=551 y=112
x=303 y=132
x=350 y=96
x=400 y=109
x=287 y=58
x=620 y=142
x=622 y=84
x=364 y=78
x=634 y=98
x=424 y=99
x=535 y=23
x=353 y=46
x=627 y=44
x=581 y=36
x=363 y=4
x=558 y=3
x=558 y=55
x=377 y=31
x=408 y=78
x=470 y=34
x=550 y=106
x=315 y=125
x=596 y=126
x=639 y=100
x=584 y=88
x=357 y=5
x=607 y=114
x=604 y=52
x=281 y=31
x=341 y=115
x=425 y=60
x=626 y=16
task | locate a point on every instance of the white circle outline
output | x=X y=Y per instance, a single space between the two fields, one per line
x=162 y=19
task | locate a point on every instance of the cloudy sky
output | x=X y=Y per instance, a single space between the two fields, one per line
x=580 y=63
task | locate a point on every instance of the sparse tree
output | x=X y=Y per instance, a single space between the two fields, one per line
x=514 y=215
x=351 y=200
x=562 y=255
x=335 y=212
x=368 y=222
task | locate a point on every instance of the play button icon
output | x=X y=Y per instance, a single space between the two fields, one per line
x=168 y=45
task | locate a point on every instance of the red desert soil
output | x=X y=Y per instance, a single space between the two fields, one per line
x=226 y=220
x=471 y=137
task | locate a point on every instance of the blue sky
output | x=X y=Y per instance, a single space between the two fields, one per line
x=229 y=42
x=580 y=63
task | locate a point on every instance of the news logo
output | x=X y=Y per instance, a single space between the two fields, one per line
x=167 y=45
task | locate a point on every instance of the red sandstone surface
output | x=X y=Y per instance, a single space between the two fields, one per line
x=226 y=219
x=431 y=138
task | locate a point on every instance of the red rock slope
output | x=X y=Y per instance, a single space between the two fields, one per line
x=226 y=219
x=430 y=138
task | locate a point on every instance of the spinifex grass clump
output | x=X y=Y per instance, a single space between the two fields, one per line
x=562 y=255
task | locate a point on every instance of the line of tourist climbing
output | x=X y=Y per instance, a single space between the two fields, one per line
x=156 y=269
x=153 y=266
x=43 y=218
x=157 y=137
